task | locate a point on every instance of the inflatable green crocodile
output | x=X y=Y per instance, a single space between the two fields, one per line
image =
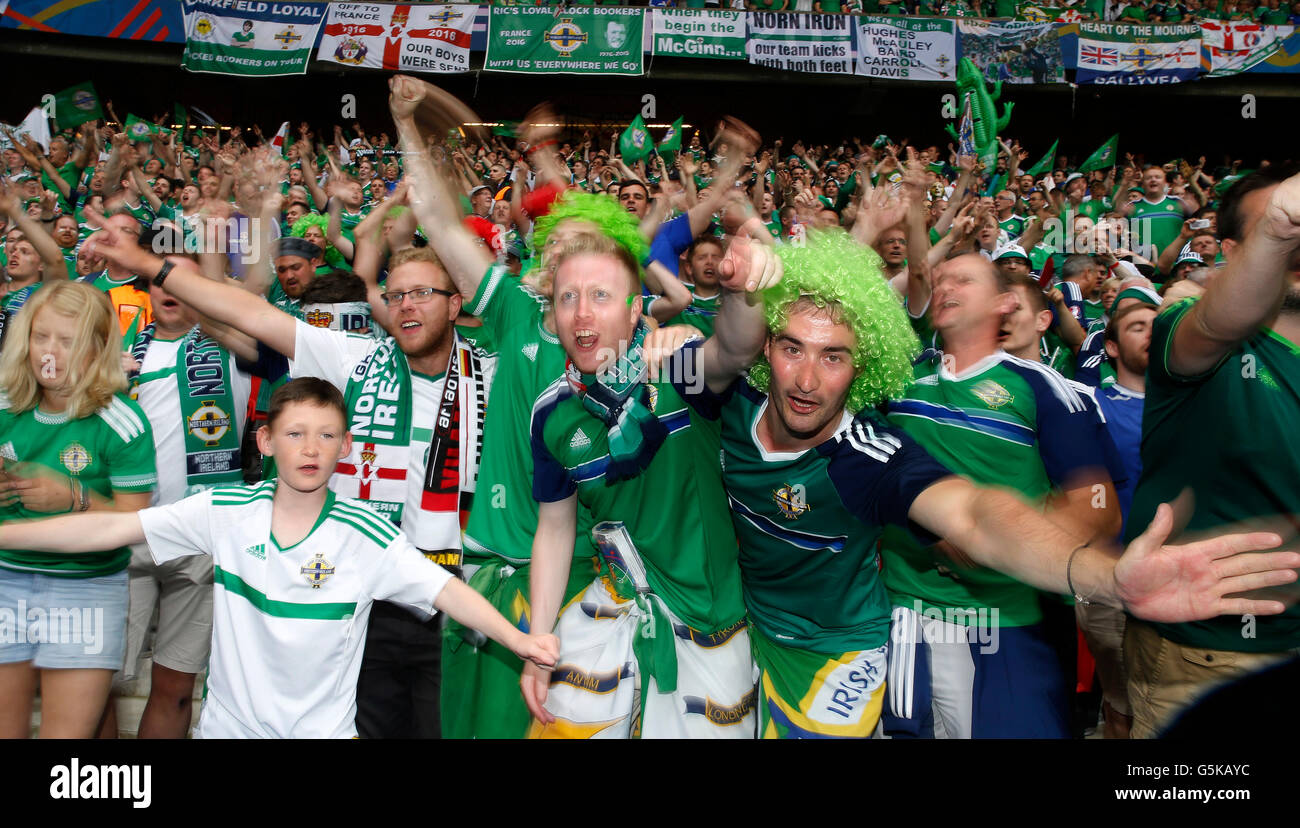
x=984 y=120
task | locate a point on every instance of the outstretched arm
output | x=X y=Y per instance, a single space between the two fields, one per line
x=1160 y=583
x=226 y=303
x=74 y=533
x=461 y=602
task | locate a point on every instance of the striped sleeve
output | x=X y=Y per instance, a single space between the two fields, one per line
x=130 y=452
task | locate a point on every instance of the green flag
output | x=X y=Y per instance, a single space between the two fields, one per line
x=180 y=117
x=672 y=140
x=1104 y=156
x=506 y=129
x=1045 y=163
x=138 y=129
x=76 y=105
x=635 y=145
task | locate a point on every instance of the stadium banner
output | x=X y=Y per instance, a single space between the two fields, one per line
x=400 y=38
x=1014 y=51
x=601 y=40
x=1133 y=54
x=250 y=37
x=1285 y=59
x=908 y=48
x=801 y=42
x=699 y=33
x=1229 y=48
x=151 y=20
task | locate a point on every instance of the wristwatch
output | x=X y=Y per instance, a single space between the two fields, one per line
x=162 y=273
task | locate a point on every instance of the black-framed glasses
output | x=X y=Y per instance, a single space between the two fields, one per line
x=418 y=296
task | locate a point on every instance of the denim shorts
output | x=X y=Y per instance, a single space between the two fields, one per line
x=63 y=623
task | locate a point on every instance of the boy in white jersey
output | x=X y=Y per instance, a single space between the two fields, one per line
x=296 y=571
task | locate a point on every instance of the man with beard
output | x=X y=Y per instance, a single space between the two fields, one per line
x=415 y=406
x=1224 y=365
x=812 y=483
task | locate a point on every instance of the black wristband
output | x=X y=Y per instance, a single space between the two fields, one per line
x=162 y=273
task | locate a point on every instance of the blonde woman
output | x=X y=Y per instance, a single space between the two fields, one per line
x=70 y=441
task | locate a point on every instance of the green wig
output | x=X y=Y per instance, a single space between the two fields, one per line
x=598 y=209
x=332 y=257
x=832 y=269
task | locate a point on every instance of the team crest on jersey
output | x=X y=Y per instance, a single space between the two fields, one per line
x=791 y=500
x=209 y=422
x=75 y=458
x=992 y=393
x=654 y=397
x=317 y=571
x=8 y=452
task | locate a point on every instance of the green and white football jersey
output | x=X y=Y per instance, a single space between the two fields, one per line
x=675 y=510
x=1162 y=221
x=110 y=451
x=289 y=622
x=808 y=523
x=1003 y=422
x=504 y=518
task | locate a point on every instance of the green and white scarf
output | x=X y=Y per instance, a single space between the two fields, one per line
x=207 y=404
x=379 y=398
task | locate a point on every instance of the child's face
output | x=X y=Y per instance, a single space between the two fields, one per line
x=306 y=441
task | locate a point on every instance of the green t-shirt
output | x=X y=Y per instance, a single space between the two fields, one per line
x=1163 y=221
x=69 y=173
x=675 y=510
x=504 y=517
x=110 y=451
x=1002 y=422
x=106 y=283
x=1230 y=435
x=700 y=313
x=1274 y=17
x=1014 y=226
x=1137 y=13
x=808 y=523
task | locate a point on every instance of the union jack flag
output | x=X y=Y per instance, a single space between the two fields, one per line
x=1099 y=56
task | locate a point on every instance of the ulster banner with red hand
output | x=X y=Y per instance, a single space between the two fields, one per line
x=401 y=37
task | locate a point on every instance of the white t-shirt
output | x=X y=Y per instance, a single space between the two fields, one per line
x=289 y=625
x=162 y=405
x=331 y=355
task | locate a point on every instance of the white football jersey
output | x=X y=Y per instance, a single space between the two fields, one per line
x=289 y=624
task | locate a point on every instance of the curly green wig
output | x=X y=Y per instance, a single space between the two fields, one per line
x=599 y=209
x=833 y=270
x=333 y=257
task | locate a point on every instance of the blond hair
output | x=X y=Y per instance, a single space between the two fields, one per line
x=413 y=254
x=95 y=365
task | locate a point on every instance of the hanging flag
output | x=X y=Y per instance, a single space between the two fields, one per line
x=262 y=39
x=139 y=130
x=1103 y=158
x=76 y=105
x=401 y=38
x=281 y=140
x=672 y=140
x=1138 y=54
x=1045 y=163
x=635 y=144
x=966 y=131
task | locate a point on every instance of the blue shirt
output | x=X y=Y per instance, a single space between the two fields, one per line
x=1123 y=410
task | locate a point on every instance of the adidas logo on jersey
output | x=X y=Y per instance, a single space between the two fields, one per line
x=580 y=440
x=257 y=550
x=7 y=452
x=530 y=351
